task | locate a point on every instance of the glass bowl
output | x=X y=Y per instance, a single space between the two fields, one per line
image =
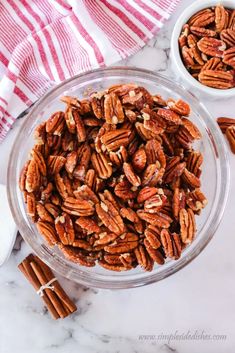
x=215 y=176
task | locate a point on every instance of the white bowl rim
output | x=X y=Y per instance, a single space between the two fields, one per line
x=175 y=54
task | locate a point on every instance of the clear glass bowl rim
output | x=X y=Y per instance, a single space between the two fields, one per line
x=99 y=281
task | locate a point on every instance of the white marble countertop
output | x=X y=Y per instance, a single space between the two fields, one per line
x=200 y=298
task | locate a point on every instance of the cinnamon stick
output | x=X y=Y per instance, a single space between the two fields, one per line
x=68 y=304
x=26 y=269
x=54 y=297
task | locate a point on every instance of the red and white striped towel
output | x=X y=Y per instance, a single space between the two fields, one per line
x=43 y=42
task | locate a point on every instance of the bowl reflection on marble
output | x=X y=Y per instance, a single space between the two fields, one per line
x=215 y=176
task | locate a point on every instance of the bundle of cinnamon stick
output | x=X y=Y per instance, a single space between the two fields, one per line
x=43 y=280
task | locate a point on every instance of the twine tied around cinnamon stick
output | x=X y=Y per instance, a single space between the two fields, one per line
x=48 y=285
x=41 y=277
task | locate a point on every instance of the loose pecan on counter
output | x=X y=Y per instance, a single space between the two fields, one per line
x=227 y=126
x=114 y=180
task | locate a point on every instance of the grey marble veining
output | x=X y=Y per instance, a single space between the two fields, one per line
x=198 y=298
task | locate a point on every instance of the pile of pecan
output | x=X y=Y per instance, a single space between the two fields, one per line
x=114 y=179
x=207 y=46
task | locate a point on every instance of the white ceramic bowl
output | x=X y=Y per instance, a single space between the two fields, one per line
x=177 y=62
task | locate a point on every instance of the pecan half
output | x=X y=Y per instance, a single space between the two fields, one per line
x=43 y=214
x=105 y=238
x=202 y=32
x=84 y=192
x=84 y=157
x=130 y=174
x=187 y=225
x=112 y=267
x=216 y=79
x=80 y=128
x=144 y=133
x=229 y=57
x=196 y=200
x=31 y=206
x=138 y=98
x=70 y=121
x=101 y=164
x=154 y=153
x=22 y=178
x=55 y=124
x=69 y=100
x=127 y=260
x=52 y=209
x=60 y=186
x=179 y=106
x=152 y=234
x=224 y=123
x=139 y=159
x=228 y=36
x=183 y=38
x=191 y=40
x=71 y=161
x=107 y=197
x=55 y=164
x=155 y=203
x=46 y=193
x=123 y=244
x=171 y=244
x=155 y=254
x=178 y=202
x=230 y=133
x=124 y=190
x=119 y=157
x=110 y=217
x=187 y=56
x=152 y=121
x=47 y=230
x=64 y=229
x=231 y=24
x=88 y=224
x=212 y=46
x=221 y=18
x=129 y=214
x=78 y=207
x=146 y=193
x=202 y=18
x=113 y=140
x=143 y=258
x=195 y=53
x=82 y=244
x=174 y=169
x=75 y=255
x=97 y=102
x=39 y=159
x=153 y=174
x=170 y=116
x=194 y=162
x=191 y=179
x=213 y=64
x=32 y=180
x=113 y=111
x=156 y=219
x=40 y=134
